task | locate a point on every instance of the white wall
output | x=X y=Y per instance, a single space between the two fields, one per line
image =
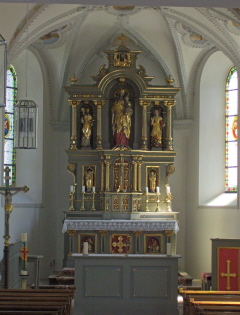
x=204 y=223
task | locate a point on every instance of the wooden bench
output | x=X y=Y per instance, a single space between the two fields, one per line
x=207 y=296
x=36 y=302
x=198 y=307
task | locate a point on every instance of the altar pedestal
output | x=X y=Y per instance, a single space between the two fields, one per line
x=126 y=284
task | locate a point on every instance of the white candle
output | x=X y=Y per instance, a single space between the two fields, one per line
x=83 y=188
x=85 y=248
x=168 y=189
x=24 y=237
x=169 y=249
x=93 y=189
x=24 y=272
x=158 y=190
x=146 y=190
x=71 y=188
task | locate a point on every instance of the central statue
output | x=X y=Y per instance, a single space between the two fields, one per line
x=121 y=119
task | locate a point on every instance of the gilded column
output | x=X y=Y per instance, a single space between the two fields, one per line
x=102 y=175
x=71 y=234
x=107 y=163
x=74 y=104
x=169 y=139
x=144 y=123
x=134 y=176
x=139 y=176
x=99 y=105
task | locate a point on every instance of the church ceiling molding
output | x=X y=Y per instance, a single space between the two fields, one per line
x=217 y=34
x=181 y=110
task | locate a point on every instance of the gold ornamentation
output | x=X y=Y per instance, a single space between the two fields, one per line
x=170 y=80
x=115 y=203
x=103 y=233
x=125 y=202
x=169 y=233
x=137 y=233
x=71 y=232
x=228 y=274
x=74 y=79
x=120 y=244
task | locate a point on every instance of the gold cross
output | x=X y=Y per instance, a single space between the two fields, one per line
x=120 y=244
x=122 y=38
x=228 y=274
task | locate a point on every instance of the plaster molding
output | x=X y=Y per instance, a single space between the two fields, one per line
x=181 y=69
x=208 y=33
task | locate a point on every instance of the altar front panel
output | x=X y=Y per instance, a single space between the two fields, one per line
x=126 y=284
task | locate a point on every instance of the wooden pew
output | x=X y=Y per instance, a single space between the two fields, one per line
x=196 y=307
x=207 y=296
x=34 y=302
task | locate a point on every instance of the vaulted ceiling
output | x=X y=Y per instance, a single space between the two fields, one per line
x=70 y=38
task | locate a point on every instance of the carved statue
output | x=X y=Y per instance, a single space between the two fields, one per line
x=121 y=119
x=152 y=177
x=157 y=126
x=89 y=179
x=87 y=122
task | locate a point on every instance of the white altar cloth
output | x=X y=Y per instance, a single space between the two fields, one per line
x=121 y=225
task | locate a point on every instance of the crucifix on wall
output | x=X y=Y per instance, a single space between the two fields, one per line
x=8 y=192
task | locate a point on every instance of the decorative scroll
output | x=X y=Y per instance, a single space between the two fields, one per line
x=121 y=225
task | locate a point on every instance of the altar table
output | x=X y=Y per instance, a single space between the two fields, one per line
x=126 y=284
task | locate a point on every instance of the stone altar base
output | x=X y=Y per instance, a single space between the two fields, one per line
x=126 y=284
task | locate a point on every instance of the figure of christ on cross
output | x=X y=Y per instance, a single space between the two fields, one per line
x=8 y=192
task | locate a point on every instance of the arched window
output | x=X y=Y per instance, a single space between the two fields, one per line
x=11 y=97
x=231 y=131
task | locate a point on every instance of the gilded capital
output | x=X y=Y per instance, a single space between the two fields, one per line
x=71 y=232
x=169 y=103
x=99 y=103
x=74 y=103
x=103 y=233
x=169 y=233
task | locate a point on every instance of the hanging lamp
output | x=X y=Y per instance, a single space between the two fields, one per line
x=25 y=117
x=3 y=70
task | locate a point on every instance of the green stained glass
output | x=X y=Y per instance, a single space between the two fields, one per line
x=231 y=165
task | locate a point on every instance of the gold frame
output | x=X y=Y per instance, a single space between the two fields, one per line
x=82 y=235
x=160 y=239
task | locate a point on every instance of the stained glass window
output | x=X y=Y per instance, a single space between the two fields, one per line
x=11 y=97
x=231 y=131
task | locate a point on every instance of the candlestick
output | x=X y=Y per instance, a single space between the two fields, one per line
x=158 y=201
x=83 y=198
x=146 y=208
x=169 y=249
x=93 y=200
x=24 y=237
x=85 y=248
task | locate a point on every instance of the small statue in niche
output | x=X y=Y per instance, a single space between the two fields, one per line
x=157 y=126
x=121 y=119
x=87 y=123
x=152 y=177
x=89 y=179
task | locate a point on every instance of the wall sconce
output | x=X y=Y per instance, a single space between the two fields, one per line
x=3 y=70
x=25 y=125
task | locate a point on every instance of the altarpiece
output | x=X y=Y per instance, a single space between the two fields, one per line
x=121 y=156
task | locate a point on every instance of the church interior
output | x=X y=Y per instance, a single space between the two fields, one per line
x=158 y=72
